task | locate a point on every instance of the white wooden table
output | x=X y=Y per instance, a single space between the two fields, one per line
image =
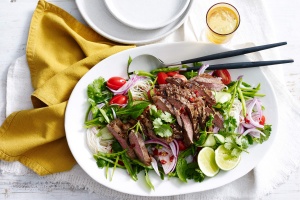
x=15 y=16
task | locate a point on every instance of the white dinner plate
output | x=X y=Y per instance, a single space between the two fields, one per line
x=170 y=52
x=147 y=14
x=97 y=16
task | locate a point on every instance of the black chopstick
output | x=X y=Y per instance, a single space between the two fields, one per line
x=233 y=53
x=239 y=65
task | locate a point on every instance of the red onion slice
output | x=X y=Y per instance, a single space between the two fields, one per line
x=154 y=165
x=177 y=147
x=253 y=132
x=124 y=89
x=164 y=156
x=202 y=69
x=173 y=149
x=250 y=108
x=155 y=141
x=166 y=153
x=241 y=129
x=100 y=105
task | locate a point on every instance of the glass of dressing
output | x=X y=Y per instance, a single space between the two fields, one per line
x=222 y=21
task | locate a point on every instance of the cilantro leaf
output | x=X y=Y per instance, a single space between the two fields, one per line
x=267 y=131
x=164 y=130
x=161 y=121
x=98 y=92
x=167 y=117
x=157 y=122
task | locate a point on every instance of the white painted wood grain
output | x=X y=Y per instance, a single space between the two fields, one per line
x=14 y=23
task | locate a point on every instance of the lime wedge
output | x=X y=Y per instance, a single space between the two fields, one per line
x=207 y=163
x=224 y=160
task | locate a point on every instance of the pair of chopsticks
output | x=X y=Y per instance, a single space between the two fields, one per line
x=237 y=52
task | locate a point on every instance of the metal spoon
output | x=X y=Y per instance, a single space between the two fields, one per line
x=150 y=62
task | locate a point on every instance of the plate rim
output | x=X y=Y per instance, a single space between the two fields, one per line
x=120 y=17
x=271 y=139
x=174 y=27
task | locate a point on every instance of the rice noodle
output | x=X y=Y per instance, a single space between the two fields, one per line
x=95 y=143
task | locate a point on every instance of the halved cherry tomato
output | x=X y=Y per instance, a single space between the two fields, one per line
x=161 y=77
x=223 y=74
x=118 y=99
x=262 y=121
x=115 y=82
x=172 y=73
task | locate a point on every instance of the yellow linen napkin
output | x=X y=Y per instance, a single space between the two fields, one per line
x=60 y=50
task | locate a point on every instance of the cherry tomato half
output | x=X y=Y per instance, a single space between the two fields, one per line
x=115 y=82
x=262 y=121
x=118 y=99
x=223 y=74
x=161 y=77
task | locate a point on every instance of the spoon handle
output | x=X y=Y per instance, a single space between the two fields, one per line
x=232 y=53
x=239 y=65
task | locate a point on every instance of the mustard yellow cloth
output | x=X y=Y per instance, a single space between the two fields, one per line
x=60 y=50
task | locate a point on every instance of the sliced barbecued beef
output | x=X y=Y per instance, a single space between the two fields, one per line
x=178 y=108
x=163 y=104
x=192 y=111
x=187 y=130
x=190 y=102
x=116 y=128
x=177 y=131
x=137 y=142
x=210 y=82
x=203 y=92
x=176 y=81
x=218 y=119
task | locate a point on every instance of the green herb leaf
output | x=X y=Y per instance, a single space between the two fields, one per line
x=197 y=64
x=161 y=121
x=202 y=138
x=157 y=122
x=267 y=131
x=98 y=92
x=193 y=172
x=190 y=74
x=182 y=165
x=133 y=111
x=100 y=162
x=164 y=130
x=167 y=117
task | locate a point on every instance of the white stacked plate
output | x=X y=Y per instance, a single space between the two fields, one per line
x=134 y=21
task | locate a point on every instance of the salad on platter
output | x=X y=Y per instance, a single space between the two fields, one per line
x=186 y=125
